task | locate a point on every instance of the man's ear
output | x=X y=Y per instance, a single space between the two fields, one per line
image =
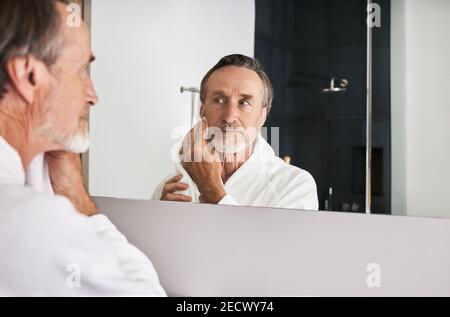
x=24 y=74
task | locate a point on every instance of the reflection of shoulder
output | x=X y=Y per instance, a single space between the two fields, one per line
x=290 y=174
x=277 y=170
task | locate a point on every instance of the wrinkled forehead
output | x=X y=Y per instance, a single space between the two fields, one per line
x=233 y=79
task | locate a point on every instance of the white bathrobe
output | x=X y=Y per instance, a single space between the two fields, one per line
x=264 y=180
x=47 y=248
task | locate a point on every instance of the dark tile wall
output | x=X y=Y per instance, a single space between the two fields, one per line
x=301 y=45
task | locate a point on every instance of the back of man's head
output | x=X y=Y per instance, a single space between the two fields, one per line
x=28 y=27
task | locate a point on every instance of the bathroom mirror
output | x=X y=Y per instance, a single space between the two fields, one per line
x=153 y=54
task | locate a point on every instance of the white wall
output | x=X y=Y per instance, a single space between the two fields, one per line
x=146 y=50
x=426 y=109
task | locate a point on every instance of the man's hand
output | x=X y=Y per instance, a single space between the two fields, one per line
x=67 y=180
x=204 y=166
x=171 y=186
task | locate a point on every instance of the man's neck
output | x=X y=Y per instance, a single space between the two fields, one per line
x=233 y=161
x=16 y=129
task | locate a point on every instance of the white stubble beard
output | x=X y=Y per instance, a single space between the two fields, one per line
x=77 y=143
x=230 y=143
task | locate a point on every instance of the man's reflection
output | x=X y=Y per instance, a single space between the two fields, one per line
x=224 y=159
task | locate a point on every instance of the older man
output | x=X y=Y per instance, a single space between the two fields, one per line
x=53 y=241
x=226 y=161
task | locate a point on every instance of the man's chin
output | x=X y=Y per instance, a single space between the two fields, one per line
x=78 y=143
x=225 y=147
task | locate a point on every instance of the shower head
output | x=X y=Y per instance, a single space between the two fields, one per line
x=343 y=83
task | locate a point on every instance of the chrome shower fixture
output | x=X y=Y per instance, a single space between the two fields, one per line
x=190 y=89
x=342 y=86
x=194 y=91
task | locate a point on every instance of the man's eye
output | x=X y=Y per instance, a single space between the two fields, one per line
x=218 y=100
x=245 y=103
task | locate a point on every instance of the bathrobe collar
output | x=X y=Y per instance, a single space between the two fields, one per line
x=12 y=172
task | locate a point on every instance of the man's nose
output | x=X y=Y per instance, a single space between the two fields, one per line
x=91 y=95
x=231 y=112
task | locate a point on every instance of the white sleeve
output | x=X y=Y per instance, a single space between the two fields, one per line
x=140 y=275
x=228 y=200
x=107 y=264
x=49 y=249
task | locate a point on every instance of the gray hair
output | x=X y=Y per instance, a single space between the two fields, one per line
x=246 y=62
x=28 y=27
